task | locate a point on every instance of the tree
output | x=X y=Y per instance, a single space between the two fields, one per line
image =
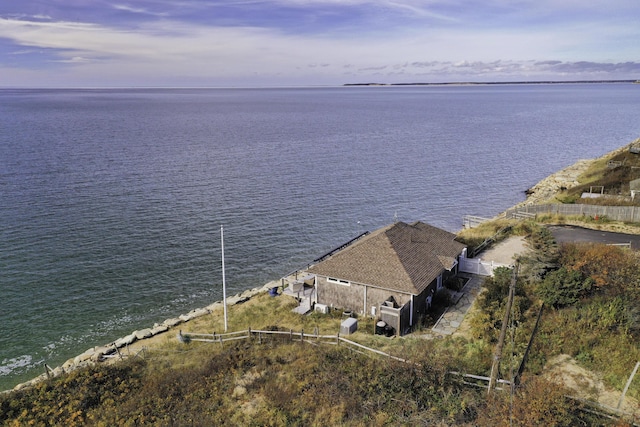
x=564 y=287
x=543 y=255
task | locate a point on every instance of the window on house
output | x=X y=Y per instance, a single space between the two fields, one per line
x=338 y=281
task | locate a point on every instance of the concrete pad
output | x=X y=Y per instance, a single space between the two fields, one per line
x=505 y=251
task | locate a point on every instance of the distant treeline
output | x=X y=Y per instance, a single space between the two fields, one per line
x=536 y=82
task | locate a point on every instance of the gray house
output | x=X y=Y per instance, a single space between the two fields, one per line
x=391 y=273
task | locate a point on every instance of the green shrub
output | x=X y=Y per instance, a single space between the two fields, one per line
x=562 y=287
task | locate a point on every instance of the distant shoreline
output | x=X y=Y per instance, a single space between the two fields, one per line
x=525 y=82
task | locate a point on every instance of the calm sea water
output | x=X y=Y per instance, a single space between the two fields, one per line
x=111 y=200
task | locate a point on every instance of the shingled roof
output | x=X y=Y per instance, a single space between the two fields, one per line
x=400 y=256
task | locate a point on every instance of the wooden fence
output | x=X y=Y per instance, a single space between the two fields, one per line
x=471 y=221
x=315 y=338
x=290 y=335
x=615 y=213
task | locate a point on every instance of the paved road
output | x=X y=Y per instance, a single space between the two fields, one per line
x=570 y=233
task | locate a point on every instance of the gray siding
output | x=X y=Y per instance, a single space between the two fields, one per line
x=352 y=297
x=340 y=296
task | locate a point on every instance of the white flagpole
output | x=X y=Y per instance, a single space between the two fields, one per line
x=224 y=283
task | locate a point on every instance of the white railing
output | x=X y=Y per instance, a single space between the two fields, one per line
x=479 y=267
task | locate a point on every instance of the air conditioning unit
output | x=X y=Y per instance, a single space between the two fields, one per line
x=322 y=308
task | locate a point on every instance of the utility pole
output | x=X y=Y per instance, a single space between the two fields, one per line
x=224 y=283
x=503 y=331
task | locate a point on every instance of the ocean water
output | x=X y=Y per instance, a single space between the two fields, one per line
x=111 y=201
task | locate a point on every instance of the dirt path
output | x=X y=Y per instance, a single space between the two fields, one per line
x=587 y=385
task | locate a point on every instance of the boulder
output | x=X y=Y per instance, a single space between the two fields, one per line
x=20 y=386
x=100 y=352
x=215 y=306
x=142 y=334
x=185 y=317
x=199 y=312
x=124 y=341
x=84 y=356
x=172 y=322
x=158 y=329
x=236 y=299
x=68 y=364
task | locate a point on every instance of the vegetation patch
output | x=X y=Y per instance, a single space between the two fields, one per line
x=611 y=177
x=591 y=295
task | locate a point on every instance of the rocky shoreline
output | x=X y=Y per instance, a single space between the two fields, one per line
x=546 y=190
x=102 y=353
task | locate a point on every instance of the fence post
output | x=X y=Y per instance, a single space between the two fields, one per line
x=626 y=387
x=118 y=351
x=220 y=339
x=290 y=334
x=249 y=333
x=301 y=335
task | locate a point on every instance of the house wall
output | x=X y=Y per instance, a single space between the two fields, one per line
x=340 y=296
x=420 y=307
x=352 y=297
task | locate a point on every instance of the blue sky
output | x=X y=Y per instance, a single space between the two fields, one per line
x=80 y=43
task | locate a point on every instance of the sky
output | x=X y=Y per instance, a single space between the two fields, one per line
x=265 y=43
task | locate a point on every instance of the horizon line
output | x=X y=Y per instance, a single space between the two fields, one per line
x=450 y=83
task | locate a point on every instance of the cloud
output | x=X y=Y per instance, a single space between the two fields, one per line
x=126 y=8
x=75 y=60
x=520 y=70
x=318 y=41
x=23 y=52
